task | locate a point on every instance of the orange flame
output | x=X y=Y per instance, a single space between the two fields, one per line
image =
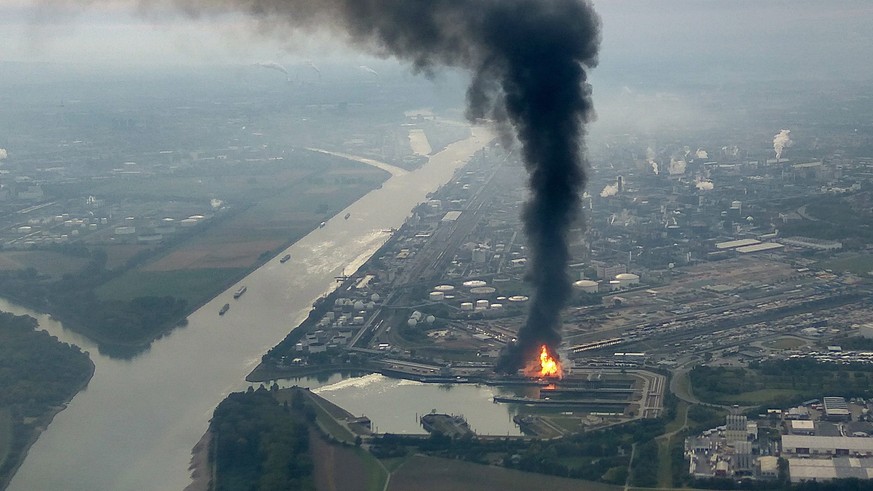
x=549 y=367
x=546 y=365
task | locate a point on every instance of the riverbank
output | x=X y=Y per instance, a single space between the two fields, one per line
x=35 y=429
x=202 y=466
x=166 y=395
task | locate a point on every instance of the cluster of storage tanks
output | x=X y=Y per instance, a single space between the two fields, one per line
x=476 y=288
x=360 y=310
x=621 y=281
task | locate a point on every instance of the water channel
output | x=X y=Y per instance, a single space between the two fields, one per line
x=133 y=428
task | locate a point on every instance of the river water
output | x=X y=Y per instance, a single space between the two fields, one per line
x=394 y=405
x=133 y=428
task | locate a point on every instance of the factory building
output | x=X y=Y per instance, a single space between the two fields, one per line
x=826 y=445
x=836 y=409
x=814 y=244
x=803 y=469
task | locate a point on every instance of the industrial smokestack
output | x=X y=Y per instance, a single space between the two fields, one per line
x=528 y=60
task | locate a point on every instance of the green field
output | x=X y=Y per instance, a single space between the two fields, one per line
x=431 y=474
x=861 y=264
x=193 y=285
x=5 y=434
x=49 y=263
x=778 y=382
x=785 y=343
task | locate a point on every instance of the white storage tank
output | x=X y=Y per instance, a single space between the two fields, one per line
x=586 y=286
x=483 y=290
x=481 y=304
x=627 y=279
x=436 y=296
x=474 y=283
x=444 y=288
x=466 y=306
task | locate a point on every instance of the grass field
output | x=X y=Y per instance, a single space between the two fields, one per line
x=5 y=434
x=785 y=343
x=45 y=262
x=861 y=264
x=338 y=467
x=195 y=285
x=762 y=396
x=431 y=474
x=271 y=213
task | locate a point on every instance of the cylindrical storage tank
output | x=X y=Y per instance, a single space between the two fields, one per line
x=416 y=315
x=443 y=288
x=627 y=279
x=474 y=283
x=375 y=297
x=518 y=298
x=481 y=304
x=436 y=296
x=359 y=305
x=496 y=306
x=586 y=286
x=371 y=305
x=466 y=306
x=412 y=322
x=614 y=285
x=483 y=290
x=430 y=319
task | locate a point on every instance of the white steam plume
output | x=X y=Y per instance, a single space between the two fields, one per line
x=310 y=64
x=272 y=65
x=609 y=190
x=369 y=70
x=701 y=154
x=704 y=185
x=650 y=157
x=781 y=141
x=3 y=154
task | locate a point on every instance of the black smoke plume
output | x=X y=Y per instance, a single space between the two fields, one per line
x=527 y=59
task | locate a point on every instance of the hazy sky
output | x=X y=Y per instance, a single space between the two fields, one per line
x=718 y=38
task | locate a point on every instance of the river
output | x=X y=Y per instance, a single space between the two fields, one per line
x=133 y=428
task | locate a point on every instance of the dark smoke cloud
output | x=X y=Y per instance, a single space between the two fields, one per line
x=527 y=59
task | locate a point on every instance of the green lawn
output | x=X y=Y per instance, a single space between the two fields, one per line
x=327 y=422
x=761 y=396
x=193 y=285
x=5 y=434
x=785 y=343
x=377 y=474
